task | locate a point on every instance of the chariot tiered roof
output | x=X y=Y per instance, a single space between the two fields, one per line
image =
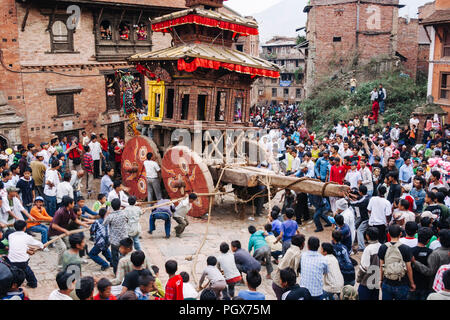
x=213 y=57
x=225 y=21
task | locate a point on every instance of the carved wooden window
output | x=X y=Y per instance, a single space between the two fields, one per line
x=61 y=38
x=445 y=86
x=65 y=104
x=446 y=43
x=274 y=92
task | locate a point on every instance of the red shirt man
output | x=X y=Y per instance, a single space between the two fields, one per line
x=337 y=172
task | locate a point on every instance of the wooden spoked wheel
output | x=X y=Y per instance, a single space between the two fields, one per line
x=184 y=172
x=132 y=167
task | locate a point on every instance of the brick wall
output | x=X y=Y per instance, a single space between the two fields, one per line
x=11 y=83
x=408 y=44
x=29 y=51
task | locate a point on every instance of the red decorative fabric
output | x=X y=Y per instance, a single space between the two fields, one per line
x=196 y=19
x=141 y=69
x=211 y=64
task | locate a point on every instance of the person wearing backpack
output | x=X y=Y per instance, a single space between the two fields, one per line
x=395 y=267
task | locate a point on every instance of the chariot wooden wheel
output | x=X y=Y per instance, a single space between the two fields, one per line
x=132 y=167
x=184 y=172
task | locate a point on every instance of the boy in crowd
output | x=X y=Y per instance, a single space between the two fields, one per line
x=26 y=187
x=262 y=250
x=104 y=290
x=411 y=230
x=100 y=203
x=16 y=292
x=216 y=280
x=369 y=264
x=312 y=268
x=131 y=281
x=343 y=257
x=71 y=257
x=346 y=236
x=174 y=286
x=189 y=292
x=125 y=265
x=244 y=261
x=395 y=267
x=333 y=281
x=18 y=254
x=133 y=214
x=101 y=241
x=226 y=263
x=64 y=288
x=116 y=222
x=146 y=287
x=38 y=212
x=289 y=228
x=60 y=224
x=253 y=282
x=292 y=291
x=275 y=248
x=159 y=292
x=421 y=253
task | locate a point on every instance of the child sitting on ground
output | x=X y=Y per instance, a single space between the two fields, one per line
x=104 y=290
x=189 y=292
x=253 y=282
x=216 y=280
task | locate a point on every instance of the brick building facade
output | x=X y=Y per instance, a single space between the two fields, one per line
x=372 y=30
x=284 y=52
x=56 y=78
x=437 y=26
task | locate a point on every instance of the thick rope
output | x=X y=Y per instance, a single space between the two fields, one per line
x=211 y=199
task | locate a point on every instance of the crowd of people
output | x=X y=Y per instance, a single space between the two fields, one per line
x=398 y=199
x=395 y=218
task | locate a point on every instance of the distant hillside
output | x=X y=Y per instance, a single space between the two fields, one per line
x=281 y=19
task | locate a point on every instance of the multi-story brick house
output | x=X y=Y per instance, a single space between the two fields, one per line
x=437 y=26
x=60 y=81
x=289 y=88
x=345 y=33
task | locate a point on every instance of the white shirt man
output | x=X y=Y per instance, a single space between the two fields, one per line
x=53 y=177
x=96 y=150
x=122 y=196
x=183 y=208
x=366 y=176
x=354 y=177
x=19 y=242
x=17 y=209
x=414 y=121
x=379 y=208
x=151 y=169
x=296 y=163
x=395 y=133
x=63 y=189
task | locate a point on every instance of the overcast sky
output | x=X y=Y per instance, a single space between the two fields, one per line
x=249 y=7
